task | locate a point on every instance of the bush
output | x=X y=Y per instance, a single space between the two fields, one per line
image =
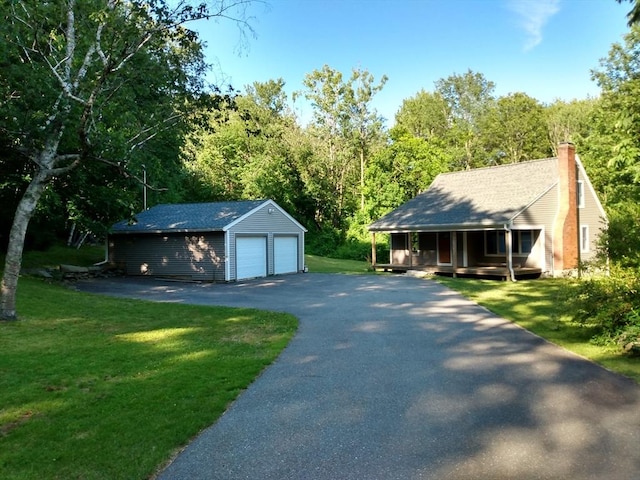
x=612 y=305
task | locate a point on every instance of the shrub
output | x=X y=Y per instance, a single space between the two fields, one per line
x=612 y=305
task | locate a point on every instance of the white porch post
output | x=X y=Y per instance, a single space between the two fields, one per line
x=454 y=252
x=509 y=248
x=373 y=249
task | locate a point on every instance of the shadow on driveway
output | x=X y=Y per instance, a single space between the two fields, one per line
x=393 y=377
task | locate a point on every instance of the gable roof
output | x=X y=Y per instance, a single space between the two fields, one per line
x=188 y=217
x=480 y=198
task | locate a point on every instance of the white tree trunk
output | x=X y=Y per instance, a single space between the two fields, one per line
x=13 y=260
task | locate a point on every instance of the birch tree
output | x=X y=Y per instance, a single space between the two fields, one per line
x=92 y=81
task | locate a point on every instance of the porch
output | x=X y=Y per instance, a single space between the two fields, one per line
x=492 y=271
x=493 y=253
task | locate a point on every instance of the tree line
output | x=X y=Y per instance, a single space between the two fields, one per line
x=96 y=96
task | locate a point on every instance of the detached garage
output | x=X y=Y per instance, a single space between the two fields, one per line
x=222 y=241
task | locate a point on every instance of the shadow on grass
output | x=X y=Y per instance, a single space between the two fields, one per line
x=111 y=387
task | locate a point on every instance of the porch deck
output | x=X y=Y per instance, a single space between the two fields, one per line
x=476 y=271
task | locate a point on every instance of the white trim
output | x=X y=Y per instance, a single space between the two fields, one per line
x=269 y=203
x=465 y=259
x=585 y=239
x=580 y=193
x=227 y=266
x=583 y=172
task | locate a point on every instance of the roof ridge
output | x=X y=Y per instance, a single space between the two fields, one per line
x=504 y=165
x=208 y=203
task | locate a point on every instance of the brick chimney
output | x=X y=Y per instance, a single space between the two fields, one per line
x=565 y=231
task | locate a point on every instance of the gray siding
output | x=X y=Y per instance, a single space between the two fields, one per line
x=198 y=256
x=590 y=215
x=542 y=213
x=268 y=221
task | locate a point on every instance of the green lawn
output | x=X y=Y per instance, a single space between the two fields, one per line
x=93 y=387
x=543 y=307
x=334 y=265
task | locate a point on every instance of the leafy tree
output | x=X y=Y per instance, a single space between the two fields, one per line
x=634 y=14
x=468 y=97
x=401 y=170
x=513 y=129
x=570 y=122
x=425 y=115
x=619 y=79
x=87 y=83
x=366 y=124
x=344 y=130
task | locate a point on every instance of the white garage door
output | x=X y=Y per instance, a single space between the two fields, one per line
x=251 y=257
x=285 y=254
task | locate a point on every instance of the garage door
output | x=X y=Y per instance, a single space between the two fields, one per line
x=285 y=254
x=251 y=257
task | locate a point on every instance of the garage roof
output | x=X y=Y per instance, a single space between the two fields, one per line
x=188 y=217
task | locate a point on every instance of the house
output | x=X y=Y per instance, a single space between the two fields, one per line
x=221 y=241
x=529 y=218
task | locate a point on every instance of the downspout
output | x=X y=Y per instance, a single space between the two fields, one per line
x=509 y=244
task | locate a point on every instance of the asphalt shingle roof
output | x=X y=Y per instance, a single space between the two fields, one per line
x=186 y=217
x=482 y=197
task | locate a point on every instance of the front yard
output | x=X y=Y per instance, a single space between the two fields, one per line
x=543 y=307
x=93 y=387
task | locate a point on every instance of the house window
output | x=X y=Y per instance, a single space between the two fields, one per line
x=584 y=238
x=399 y=241
x=521 y=242
x=495 y=242
x=580 y=194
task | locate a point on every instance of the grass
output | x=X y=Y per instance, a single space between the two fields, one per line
x=53 y=257
x=94 y=387
x=543 y=307
x=334 y=265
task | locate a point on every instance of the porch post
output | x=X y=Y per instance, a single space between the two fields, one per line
x=509 y=249
x=410 y=249
x=454 y=252
x=373 y=249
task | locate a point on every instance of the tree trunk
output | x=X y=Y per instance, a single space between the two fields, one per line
x=13 y=261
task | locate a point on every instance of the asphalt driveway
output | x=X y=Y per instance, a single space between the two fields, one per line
x=393 y=377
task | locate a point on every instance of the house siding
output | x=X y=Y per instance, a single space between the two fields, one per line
x=198 y=256
x=590 y=215
x=263 y=223
x=541 y=214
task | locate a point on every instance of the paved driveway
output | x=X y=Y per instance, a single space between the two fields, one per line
x=392 y=377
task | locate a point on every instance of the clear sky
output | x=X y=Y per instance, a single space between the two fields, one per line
x=544 y=48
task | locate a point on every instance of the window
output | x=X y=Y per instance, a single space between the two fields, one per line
x=525 y=243
x=521 y=242
x=495 y=242
x=580 y=193
x=584 y=238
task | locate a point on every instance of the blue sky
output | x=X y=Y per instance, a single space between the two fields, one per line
x=544 y=48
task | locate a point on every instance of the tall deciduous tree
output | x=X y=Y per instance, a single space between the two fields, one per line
x=570 y=122
x=425 y=115
x=401 y=170
x=345 y=127
x=514 y=129
x=468 y=97
x=90 y=81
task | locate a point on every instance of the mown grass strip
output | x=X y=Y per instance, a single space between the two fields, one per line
x=334 y=265
x=103 y=388
x=543 y=307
